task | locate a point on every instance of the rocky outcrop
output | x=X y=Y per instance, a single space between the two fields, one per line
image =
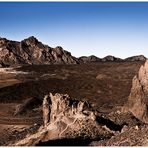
x=31 y=51
x=136 y=58
x=66 y=118
x=89 y=59
x=138 y=98
x=111 y=58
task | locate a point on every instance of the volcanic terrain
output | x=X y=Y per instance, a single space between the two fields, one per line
x=100 y=101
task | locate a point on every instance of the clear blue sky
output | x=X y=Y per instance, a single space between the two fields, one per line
x=83 y=28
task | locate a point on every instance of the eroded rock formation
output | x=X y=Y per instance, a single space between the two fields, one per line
x=138 y=98
x=68 y=118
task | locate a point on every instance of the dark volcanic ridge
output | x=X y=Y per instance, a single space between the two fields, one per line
x=30 y=51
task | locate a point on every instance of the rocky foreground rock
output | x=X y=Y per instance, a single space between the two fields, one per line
x=138 y=98
x=68 y=118
x=137 y=104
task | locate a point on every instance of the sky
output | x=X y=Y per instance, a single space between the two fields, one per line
x=83 y=28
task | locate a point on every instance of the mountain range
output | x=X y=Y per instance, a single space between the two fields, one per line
x=33 y=52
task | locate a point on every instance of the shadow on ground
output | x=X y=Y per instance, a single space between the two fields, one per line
x=66 y=142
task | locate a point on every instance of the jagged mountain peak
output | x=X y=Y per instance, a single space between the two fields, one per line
x=31 y=39
x=31 y=51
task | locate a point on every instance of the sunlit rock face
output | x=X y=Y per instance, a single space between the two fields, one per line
x=68 y=118
x=138 y=98
x=31 y=51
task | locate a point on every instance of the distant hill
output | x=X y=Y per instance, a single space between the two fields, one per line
x=92 y=58
x=136 y=58
x=111 y=58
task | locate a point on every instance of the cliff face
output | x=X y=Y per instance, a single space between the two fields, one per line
x=138 y=98
x=31 y=51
